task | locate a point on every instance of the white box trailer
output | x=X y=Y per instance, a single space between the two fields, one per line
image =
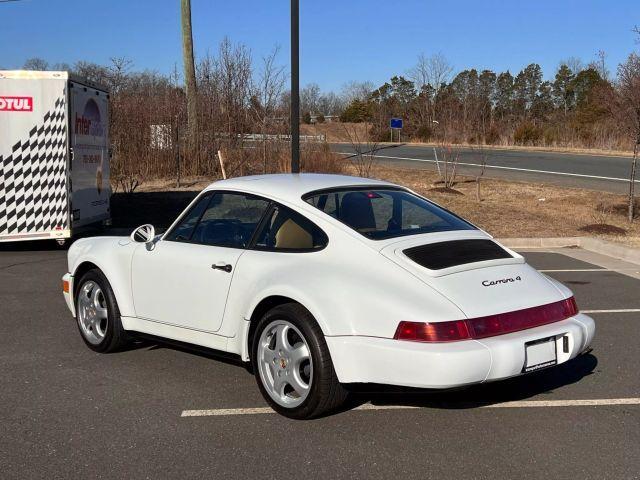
x=54 y=155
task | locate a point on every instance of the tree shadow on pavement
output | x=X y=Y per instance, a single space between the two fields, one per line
x=514 y=389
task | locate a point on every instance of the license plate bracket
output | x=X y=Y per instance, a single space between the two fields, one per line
x=539 y=354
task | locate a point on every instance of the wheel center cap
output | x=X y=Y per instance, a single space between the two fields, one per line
x=283 y=363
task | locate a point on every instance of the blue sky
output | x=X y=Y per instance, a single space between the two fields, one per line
x=340 y=40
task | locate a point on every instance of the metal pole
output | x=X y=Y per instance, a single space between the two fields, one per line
x=295 y=86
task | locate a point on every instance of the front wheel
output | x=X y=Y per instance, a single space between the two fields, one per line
x=292 y=364
x=98 y=315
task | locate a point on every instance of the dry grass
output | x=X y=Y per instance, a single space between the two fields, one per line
x=337 y=132
x=513 y=209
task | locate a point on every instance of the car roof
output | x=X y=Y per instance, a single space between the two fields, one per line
x=292 y=186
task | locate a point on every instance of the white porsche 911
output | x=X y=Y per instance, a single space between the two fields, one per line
x=323 y=280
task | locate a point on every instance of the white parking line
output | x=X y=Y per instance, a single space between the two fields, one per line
x=576 y=270
x=367 y=406
x=428 y=160
x=619 y=310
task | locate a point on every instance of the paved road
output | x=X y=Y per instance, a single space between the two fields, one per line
x=607 y=173
x=67 y=412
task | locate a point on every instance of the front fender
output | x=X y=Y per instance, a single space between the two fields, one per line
x=112 y=255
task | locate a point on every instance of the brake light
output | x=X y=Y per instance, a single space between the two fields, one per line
x=432 y=332
x=488 y=326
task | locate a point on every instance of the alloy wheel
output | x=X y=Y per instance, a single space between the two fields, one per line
x=92 y=312
x=285 y=364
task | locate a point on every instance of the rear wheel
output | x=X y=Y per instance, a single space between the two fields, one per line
x=97 y=314
x=292 y=364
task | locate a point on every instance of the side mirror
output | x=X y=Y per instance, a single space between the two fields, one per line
x=143 y=234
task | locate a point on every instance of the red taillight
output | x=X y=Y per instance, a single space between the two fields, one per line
x=432 y=332
x=522 y=319
x=489 y=326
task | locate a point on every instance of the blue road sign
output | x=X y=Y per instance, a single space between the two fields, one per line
x=396 y=123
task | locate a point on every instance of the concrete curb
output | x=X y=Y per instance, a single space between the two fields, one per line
x=596 y=245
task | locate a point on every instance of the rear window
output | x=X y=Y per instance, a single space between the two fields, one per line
x=381 y=213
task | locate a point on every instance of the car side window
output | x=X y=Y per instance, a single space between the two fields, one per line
x=230 y=220
x=286 y=230
x=182 y=231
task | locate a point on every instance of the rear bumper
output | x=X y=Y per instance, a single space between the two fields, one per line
x=68 y=295
x=25 y=237
x=446 y=365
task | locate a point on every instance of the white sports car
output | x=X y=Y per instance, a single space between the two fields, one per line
x=323 y=280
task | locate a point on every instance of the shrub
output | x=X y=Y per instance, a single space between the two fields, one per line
x=527 y=134
x=306 y=118
x=424 y=133
x=356 y=112
x=492 y=137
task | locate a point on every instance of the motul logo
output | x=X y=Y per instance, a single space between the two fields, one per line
x=16 y=104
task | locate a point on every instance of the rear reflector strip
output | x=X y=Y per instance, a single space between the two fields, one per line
x=489 y=326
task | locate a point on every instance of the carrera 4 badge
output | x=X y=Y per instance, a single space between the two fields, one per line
x=491 y=283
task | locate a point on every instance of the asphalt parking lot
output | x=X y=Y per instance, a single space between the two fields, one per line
x=157 y=411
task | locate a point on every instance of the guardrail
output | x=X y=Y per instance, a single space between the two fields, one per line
x=268 y=136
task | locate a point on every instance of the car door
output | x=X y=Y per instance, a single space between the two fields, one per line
x=184 y=278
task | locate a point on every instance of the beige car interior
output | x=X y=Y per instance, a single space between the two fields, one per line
x=290 y=235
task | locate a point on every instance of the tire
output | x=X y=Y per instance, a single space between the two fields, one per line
x=274 y=366
x=97 y=314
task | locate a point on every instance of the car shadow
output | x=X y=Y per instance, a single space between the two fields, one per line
x=474 y=396
x=514 y=389
x=150 y=343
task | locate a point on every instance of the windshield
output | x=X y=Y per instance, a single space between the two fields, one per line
x=381 y=213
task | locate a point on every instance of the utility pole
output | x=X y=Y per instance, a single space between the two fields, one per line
x=189 y=73
x=295 y=86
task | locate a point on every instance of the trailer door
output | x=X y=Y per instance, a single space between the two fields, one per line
x=90 y=184
x=33 y=156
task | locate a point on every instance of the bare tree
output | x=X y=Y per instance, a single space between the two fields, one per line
x=482 y=157
x=356 y=91
x=365 y=151
x=601 y=64
x=267 y=91
x=36 y=64
x=234 y=73
x=310 y=98
x=428 y=75
x=574 y=63
x=118 y=70
x=449 y=157
x=627 y=107
x=420 y=73
x=330 y=104
x=439 y=69
x=189 y=73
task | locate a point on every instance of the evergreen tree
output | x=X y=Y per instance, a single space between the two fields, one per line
x=563 y=93
x=503 y=96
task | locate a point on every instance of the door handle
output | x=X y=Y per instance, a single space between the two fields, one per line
x=225 y=267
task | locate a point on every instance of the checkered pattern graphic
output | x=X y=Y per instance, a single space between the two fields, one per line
x=33 y=179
